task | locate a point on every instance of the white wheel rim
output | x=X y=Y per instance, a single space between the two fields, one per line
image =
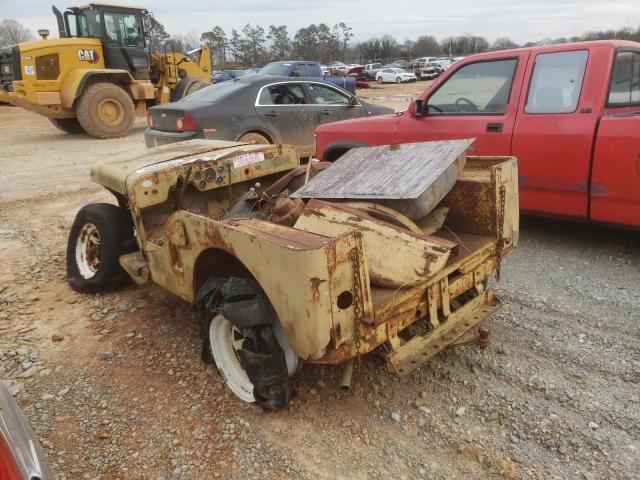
x=226 y=340
x=88 y=251
x=224 y=347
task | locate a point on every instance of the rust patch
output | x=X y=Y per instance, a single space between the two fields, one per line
x=315 y=284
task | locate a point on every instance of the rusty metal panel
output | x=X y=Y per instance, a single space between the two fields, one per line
x=404 y=171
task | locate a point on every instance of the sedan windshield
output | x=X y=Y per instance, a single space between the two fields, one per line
x=274 y=69
x=215 y=92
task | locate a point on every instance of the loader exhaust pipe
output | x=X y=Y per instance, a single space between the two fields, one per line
x=62 y=31
x=347 y=373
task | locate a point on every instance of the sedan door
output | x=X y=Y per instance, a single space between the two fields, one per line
x=285 y=108
x=331 y=104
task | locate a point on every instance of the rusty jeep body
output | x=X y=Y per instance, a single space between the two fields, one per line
x=215 y=225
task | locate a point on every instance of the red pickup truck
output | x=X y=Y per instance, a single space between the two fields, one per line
x=570 y=113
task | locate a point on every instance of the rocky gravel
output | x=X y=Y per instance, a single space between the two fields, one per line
x=114 y=387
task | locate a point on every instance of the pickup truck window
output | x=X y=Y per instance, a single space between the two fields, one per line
x=475 y=89
x=322 y=95
x=625 y=80
x=556 y=82
x=299 y=70
x=314 y=70
x=282 y=94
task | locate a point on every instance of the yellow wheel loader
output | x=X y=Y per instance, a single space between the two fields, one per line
x=99 y=75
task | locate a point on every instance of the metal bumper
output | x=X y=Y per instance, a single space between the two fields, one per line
x=460 y=328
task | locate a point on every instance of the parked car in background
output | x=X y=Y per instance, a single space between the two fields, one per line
x=370 y=70
x=395 y=75
x=227 y=75
x=257 y=109
x=570 y=113
x=306 y=69
x=21 y=457
x=425 y=60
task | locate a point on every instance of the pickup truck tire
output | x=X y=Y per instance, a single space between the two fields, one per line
x=68 y=125
x=105 y=110
x=100 y=234
x=243 y=336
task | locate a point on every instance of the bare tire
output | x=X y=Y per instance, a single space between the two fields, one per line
x=67 y=125
x=398 y=80
x=242 y=335
x=100 y=234
x=105 y=110
x=253 y=137
x=195 y=86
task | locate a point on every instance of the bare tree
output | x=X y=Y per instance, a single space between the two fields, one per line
x=503 y=43
x=13 y=32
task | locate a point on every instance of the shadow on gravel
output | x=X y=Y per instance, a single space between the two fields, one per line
x=581 y=235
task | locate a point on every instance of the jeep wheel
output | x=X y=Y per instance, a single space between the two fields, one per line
x=67 y=125
x=105 y=110
x=246 y=341
x=100 y=233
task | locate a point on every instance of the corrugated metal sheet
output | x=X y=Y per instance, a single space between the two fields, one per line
x=403 y=171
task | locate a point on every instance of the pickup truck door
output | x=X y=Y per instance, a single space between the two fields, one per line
x=285 y=108
x=615 y=172
x=330 y=104
x=553 y=135
x=476 y=99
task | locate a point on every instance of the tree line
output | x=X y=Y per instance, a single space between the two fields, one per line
x=254 y=45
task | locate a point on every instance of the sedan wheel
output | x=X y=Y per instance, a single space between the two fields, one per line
x=398 y=80
x=379 y=79
x=253 y=137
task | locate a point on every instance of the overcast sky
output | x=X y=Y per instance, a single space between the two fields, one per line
x=521 y=20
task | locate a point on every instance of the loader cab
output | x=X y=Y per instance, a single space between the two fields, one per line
x=121 y=30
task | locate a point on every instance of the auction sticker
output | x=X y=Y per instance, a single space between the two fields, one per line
x=247 y=159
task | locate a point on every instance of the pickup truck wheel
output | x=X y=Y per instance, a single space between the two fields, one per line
x=100 y=233
x=251 y=352
x=105 y=110
x=398 y=80
x=67 y=125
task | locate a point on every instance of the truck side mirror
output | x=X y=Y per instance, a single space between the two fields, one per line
x=418 y=108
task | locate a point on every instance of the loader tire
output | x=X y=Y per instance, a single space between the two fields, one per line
x=195 y=86
x=100 y=234
x=240 y=334
x=105 y=110
x=68 y=125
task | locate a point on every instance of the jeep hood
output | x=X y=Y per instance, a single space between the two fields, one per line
x=113 y=174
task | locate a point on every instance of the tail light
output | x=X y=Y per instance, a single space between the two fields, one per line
x=150 y=121
x=186 y=123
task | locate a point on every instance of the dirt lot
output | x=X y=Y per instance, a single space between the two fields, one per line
x=114 y=386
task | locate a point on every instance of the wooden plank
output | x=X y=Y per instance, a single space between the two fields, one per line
x=390 y=172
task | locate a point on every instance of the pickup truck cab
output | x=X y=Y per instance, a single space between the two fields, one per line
x=371 y=69
x=570 y=113
x=303 y=68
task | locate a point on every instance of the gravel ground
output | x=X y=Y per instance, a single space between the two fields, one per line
x=114 y=386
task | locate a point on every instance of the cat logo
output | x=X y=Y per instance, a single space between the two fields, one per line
x=90 y=56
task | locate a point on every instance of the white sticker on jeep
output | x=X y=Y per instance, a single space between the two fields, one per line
x=247 y=159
